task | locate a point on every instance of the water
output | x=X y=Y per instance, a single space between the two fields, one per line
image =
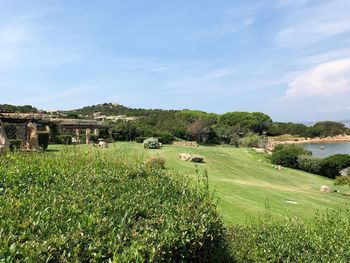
x=326 y=149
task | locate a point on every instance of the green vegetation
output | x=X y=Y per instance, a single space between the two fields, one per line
x=90 y=206
x=43 y=139
x=320 y=129
x=15 y=144
x=21 y=109
x=243 y=180
x=63 y=139
x=151 y=143
x=287 y=155
x=325 y=238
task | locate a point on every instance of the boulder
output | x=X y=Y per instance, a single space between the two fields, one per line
x=344 y=172
x=325 y=189
x=4 y=142
x=103 y=144
x=185 y=156
x=197 y=159
x=30 y=142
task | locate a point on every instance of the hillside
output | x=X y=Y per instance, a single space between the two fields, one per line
x=245 y=182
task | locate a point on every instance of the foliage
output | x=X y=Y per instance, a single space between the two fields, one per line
x=140 y=139
x=234 y=140
x=287 y=155
x=332 y=165
x=15 y=144
x=255 y=121
x=43 y=139
x=155 y=162
x=86 y=207
x=199 y=131
x=93 y=138
x=320 y=129
x=166 y=138
x=63 y=139
x=151 y=143
x=309 y=164
x=325 y=238
x=342 y=180
x=20 y=109
x=253 y=140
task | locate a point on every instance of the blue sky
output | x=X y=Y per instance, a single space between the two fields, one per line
x=288 y=58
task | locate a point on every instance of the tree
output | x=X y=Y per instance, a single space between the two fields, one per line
x=200 y=131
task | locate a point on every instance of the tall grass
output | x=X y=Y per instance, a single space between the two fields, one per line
x=86 y=206
x=325 y=238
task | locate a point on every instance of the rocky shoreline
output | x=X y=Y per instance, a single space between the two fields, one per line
x=339 y=138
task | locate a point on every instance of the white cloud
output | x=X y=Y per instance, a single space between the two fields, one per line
x=324 y=80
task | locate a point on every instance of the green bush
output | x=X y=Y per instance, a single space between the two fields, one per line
x=287 y=155
x=63 y=139
x=331 y=165
x=94 y=138
x=253 y=140
x=151 y=143
x=140 y=139
x=15 y=144
x=324 y=238
x=85 y=207
x=43 y=139
x=166 y=138
x=309 y=164
x=155 y=162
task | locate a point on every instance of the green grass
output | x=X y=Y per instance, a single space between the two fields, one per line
x=244 y=181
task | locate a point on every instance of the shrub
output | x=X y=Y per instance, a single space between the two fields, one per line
x=86 y=207
x=331 y=165
x=94 y=138
x=140 y=139
x=324 y=238
x=63 y=139
x=43 y=139
x=166 y=138
x=253 y=140
x=155 y=162
x=234 y=140
x=309 y=164
x=287 y=155
x=151 y=143
x=15 y=144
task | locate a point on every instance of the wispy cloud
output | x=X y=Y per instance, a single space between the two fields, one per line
x=309 y=25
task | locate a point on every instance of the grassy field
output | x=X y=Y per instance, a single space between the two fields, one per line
x=244 y=181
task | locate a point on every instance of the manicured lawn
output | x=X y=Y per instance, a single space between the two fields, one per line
x=245 y=183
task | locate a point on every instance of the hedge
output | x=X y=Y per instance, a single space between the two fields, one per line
x=43 y=139
x=63 y=139
x=86 y=207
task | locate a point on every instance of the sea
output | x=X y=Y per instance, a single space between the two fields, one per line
x=326 y=149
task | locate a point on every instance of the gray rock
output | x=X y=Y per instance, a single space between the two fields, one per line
x=197 y=159
x=344 y=172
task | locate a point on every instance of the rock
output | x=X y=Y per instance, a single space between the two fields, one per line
x=103 y=144
x=4 y=142
x=185 y=156
x=186 y=143
x=30 y=142
x=197 y=159
x=325 y=189
x=344 y=172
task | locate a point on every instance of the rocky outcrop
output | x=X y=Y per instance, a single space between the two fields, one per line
x=30 y=142
x=4 y=142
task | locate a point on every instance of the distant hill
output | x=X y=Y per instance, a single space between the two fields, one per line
x=14 y=108
x=110 y=109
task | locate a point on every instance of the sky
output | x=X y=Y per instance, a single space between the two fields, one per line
x=287 y=58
